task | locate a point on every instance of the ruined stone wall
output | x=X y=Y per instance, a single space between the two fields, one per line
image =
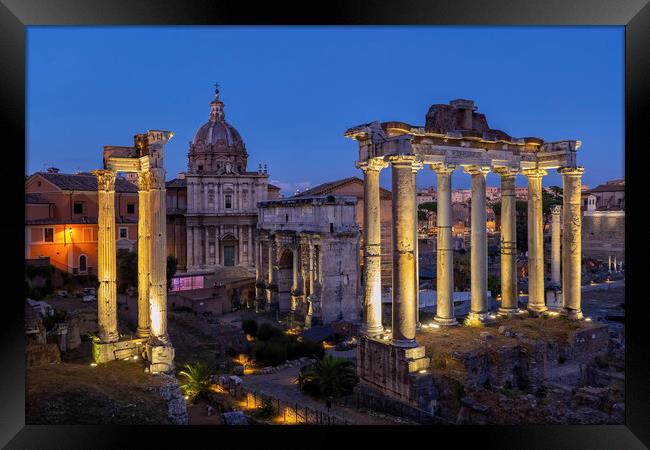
x=341 y=299
x=603 y=235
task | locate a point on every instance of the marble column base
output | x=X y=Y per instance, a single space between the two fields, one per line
x=536 y=311
x=572 y=314
x=508 y=312
x=372 y=331
x=478 y=319
x=143 y=332
x=403 y=343
x=445 y=322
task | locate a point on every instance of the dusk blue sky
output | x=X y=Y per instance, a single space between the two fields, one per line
x=292 y=91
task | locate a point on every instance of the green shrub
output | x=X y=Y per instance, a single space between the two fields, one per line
x=250 y=327
x=329 y=377
x=270 y=353
x=197 y=380
x=265 y=332
x=296 y=350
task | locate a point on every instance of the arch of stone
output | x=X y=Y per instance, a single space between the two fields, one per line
x=295 y=288
x=477 y=150
x=152 y=340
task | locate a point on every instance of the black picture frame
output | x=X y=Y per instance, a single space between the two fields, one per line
x=16 y=15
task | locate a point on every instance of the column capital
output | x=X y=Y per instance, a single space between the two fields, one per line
x=443 y=168
x=405 y=161
x=556 y=209
x=372 y=164
x=475 y=170
x=572 y=171
x=534 y=173
x=506 y=171
x=144 y=181
x=105 y=179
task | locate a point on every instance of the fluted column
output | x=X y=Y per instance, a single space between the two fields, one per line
x=372 y=325
x=555 y=244
x=158 y=256
x=571 y=243
x=416 y=251
x=106 y=261
x=479 y=305
x=404 y=302
x=190 y=248
x=509 y=297
x=445 y=248
x=536 y=301
x=272 y=300
x=144 y=322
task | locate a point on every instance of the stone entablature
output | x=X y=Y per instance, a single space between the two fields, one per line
x=307 y=248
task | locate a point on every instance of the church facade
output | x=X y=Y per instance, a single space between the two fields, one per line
x=220 y=199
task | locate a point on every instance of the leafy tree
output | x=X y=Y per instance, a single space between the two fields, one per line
x=127 y=270
x=494 y=285
x=266 y=332
x=328 y=377
x=196 y=381
x=172 y=263
x=429 y=206
x=422 y=215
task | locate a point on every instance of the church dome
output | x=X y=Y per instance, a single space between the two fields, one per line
x=217 y=147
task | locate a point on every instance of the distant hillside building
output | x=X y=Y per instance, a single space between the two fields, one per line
x=61 y=219
x=603 y=222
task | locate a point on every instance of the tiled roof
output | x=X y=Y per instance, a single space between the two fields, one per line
x=326 y=188
x=35 y=198
x=273 y=186
x=176 y=183
x=608 y=188
x=84 y=182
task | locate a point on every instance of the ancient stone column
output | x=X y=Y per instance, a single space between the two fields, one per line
x=536 y=301
x=509 y=297
x=144 y=323
x=479 y=304
x=404 y=303
x=272 y=299
x=295 y=286
x=158 y=256
x=416 y=273
x=312 y=274
x=106 y=262
x=555 y=244
x=445 y=249
x=571 y=242
x=372 y=325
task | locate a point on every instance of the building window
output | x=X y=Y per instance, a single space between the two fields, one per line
x=82 y=263
x=124 y=233
x=78 y=208
x=228 y=201
x=48 y=235
x=130 y=208
x=200 y=167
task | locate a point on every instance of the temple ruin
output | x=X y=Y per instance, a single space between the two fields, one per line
x=152 y=341
x=456 y=137
x=300 y=241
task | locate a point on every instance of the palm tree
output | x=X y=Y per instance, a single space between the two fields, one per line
x=328 y=377
x=197 y=380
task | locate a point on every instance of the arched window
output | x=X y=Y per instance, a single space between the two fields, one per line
x=82 y=263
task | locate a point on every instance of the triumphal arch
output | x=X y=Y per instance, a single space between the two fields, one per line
x=152 y=340
x=456 y=137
